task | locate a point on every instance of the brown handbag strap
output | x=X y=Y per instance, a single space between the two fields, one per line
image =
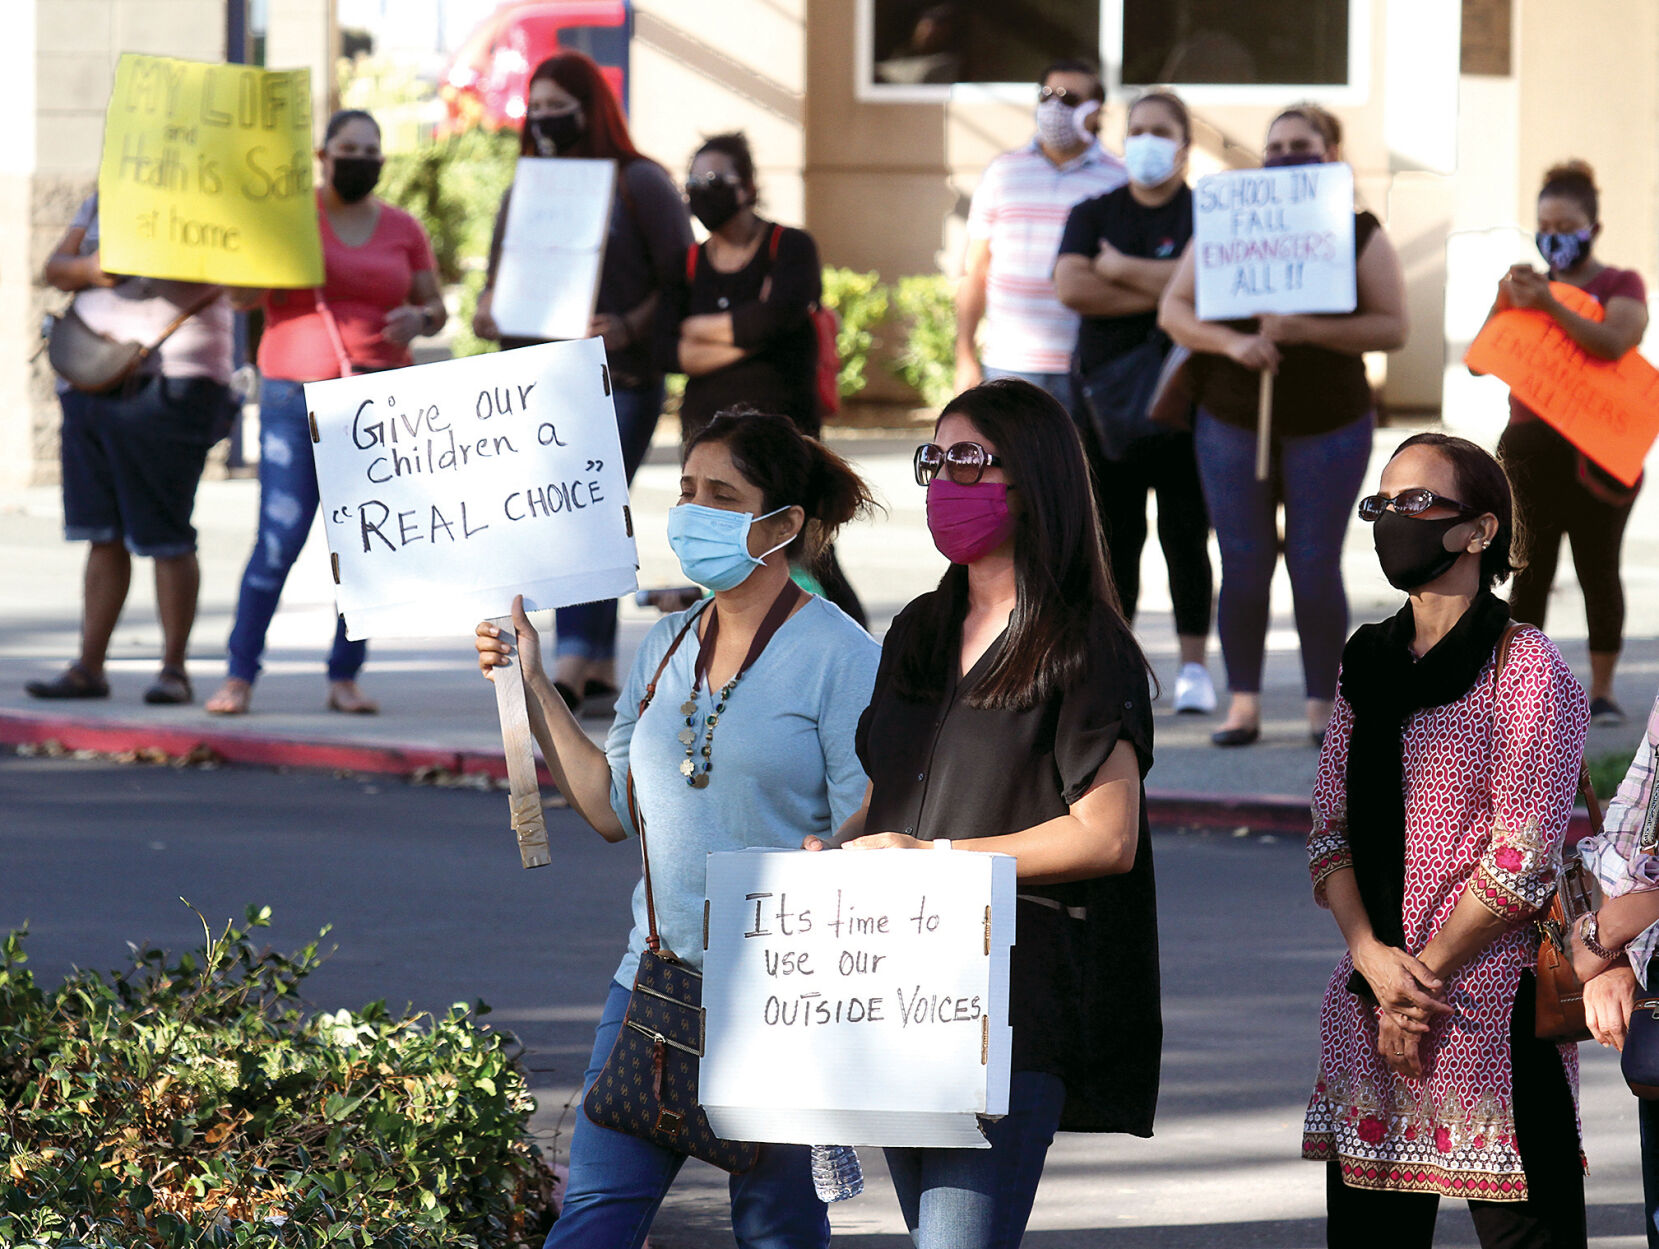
x=652 y=939
x=1586 y=790
x=188 y=311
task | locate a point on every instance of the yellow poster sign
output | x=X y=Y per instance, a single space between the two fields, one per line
x=206 y=175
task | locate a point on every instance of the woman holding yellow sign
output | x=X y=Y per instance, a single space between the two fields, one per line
x=1558 y=490
x=380 y=291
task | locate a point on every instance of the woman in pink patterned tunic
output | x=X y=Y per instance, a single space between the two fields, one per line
x=1442 y=800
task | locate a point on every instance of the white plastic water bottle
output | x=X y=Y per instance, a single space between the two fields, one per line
x=836 y=1173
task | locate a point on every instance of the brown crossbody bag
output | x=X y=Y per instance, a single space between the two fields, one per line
x=1560 y=1008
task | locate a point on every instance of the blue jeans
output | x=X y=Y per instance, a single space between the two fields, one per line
x=589 y=629
x=287 y=506
x=1057 y=384
x=981 y=1198
x=1317 y=478
x=617 y=1181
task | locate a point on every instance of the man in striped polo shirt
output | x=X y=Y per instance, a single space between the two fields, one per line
x=1014 y=228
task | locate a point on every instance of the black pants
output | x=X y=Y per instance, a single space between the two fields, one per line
x=1165 y=465
x=1546 y=1133
x=1559 y=494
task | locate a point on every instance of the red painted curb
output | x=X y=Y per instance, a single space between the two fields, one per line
x=1255 y=813
x=260 y=750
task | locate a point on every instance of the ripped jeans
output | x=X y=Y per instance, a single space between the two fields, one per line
x=287 y=506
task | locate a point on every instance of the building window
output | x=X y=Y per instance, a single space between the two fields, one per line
x=1486 y=37
x=910 y=44
x=1235 y=42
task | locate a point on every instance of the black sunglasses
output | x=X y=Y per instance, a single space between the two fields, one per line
x=963 y=462
x=1413 y=502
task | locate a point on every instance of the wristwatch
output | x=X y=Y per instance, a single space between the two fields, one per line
x=1588 y=932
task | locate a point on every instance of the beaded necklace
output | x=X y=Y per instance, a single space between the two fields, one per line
x=775 y=616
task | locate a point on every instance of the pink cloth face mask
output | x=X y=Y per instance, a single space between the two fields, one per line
x=968 y=522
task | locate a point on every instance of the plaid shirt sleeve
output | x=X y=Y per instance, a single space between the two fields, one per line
x=1615 y=857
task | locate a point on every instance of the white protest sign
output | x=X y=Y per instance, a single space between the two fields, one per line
x=448 y=488
x=857 y=998
x=552 y=248
x=1274 y=240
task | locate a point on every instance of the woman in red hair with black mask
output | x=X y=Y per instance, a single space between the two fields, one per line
x=571 y=111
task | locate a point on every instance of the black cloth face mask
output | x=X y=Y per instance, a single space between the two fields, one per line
x=1413 y=552
x=559 y=132
x=355 y=176
x=713 y=203
x=1285 y=159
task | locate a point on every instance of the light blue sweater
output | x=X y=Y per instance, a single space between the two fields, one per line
x=784 y=762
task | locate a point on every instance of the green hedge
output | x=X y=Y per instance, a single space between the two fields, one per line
x=191 y=1102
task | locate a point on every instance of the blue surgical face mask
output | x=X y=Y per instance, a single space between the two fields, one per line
x=1150 y=158
x=713 y=544
x=1564 y=251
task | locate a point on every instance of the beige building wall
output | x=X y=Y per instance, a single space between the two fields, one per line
x=62 y=68
x=68 y=50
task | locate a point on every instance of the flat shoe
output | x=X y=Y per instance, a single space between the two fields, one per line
x=171 y=689
x=1606 y=711
x=573 y=700
x=1242 y=735
x=73 y=682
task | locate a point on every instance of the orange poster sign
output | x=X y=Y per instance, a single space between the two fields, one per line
x=1608 y=409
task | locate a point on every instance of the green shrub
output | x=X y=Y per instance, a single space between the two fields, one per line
x=453 y=186
x=928 y=361
x=860 y=300
x=1607 y=772
x=462 y=341
x=191 y=1103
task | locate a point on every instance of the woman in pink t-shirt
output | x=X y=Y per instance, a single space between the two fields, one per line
x=380 y=291
x=1558 y=490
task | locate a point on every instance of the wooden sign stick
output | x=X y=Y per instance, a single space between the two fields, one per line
x=1264 y=425
x=524 y=793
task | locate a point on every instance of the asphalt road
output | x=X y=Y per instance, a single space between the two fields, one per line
x=429 y=906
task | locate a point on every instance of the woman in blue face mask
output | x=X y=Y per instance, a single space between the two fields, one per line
x=747 y=741
x=1558 y=491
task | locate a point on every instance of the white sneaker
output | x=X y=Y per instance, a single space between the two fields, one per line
x=1194 y=694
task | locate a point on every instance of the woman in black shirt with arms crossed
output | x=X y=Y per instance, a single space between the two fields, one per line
x=1011 y=715
x=739 y=324
x=1118 y=253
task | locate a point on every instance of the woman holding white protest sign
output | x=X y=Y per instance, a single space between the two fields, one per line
x=1320 y=423
x=379 y=293
x=1559 y=491
x=571 y=111
x=1012 y=715
x=735 y=728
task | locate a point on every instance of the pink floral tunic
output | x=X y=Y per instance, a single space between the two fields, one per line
x=1487 y=800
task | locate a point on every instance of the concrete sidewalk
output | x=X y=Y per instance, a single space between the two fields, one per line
x=436 y=711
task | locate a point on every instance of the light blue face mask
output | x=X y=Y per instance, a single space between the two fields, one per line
x=713 y=544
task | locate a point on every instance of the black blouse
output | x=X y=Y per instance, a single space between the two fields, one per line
x=1084 y=999
x=770 y=300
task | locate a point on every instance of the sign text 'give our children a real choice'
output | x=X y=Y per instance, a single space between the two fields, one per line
x=1274 y=241
x=450 y=487
x=856 y=997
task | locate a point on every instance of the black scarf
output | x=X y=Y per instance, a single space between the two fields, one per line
x=1384 y=685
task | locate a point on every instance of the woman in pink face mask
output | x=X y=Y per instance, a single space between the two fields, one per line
x=1011 y=715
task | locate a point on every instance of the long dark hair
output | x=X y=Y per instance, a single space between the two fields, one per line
x=1062 y=587
x=606 y=136
x=792 y=470
x=1483 y=485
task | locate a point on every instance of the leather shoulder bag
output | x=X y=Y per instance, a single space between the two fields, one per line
x=92 y=361
x=1560 y=1001
x=648 y=1086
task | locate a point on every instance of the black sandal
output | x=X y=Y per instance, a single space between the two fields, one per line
x=170 y=689
x=73 y=682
